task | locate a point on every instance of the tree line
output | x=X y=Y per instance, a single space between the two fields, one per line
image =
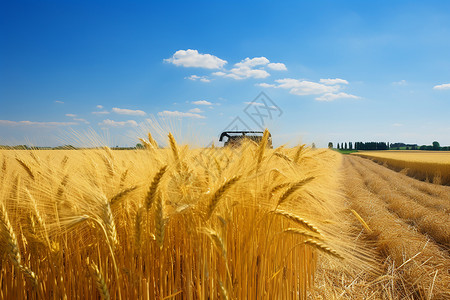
x=435 y=146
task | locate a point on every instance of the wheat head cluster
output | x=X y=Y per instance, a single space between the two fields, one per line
x=169 y=223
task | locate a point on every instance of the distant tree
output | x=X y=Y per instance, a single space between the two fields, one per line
x=350 y=146
x=339 y=147
x=346 y=146
x=330 y=145
x=139 y=146
x=313 y=146
x=436 y=146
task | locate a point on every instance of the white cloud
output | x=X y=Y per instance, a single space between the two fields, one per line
x=334 y=81
x=201 y=102
x=191 y=58
x=195 y=110
x=100 y=112
x=445 y=86
x=397 y=124
x=304 y=87
x=401 y=82
x=332 y=97
x=251 y=68
x=71 y=115
x=60 y=102
x=265 y=85
x=199 y=78
x=259 y=104
x=81 y=120
x=32 y=123
x=180 y=114
x=99 y=106
x=245 y=69
x=112 y=123
x=277 y=66
x=130 y=112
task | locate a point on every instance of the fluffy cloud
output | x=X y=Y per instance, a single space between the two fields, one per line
x=277 y=66
x=195 y=110
x=32 y=123
x=199 y=78
x=191 y=58
x=327 y=89
x=332 y=97
x=99 y=106
x=445 y=86
x=251 y=68
x=130 y=112
x=265 y=85
x=60 y=102
x=81 y=120
x=100 y=112
x=180 y=114
x=71 y=115
x=111 y=123
x=201 y=102
x=304 y=87
x=330 y=81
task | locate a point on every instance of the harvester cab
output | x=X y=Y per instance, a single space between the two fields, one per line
x=235 y=138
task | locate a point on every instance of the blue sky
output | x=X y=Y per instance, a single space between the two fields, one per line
x=332 y=70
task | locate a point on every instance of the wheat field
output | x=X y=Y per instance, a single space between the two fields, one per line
x=171 y=223
x=217 y=223
x=423 y=165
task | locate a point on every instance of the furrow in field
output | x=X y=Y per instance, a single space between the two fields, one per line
x=432 y=222
x=420 y=268
x=435 y=190
x=396 y=183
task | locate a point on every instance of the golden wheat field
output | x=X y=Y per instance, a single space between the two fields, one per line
x=423 y=165
x=218 y=223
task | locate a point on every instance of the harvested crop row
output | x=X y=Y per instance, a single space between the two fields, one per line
x=419 y=267
x=429 y=221
x=408 y=186
x=417 y=167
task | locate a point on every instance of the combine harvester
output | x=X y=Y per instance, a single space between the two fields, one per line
x=235 y=138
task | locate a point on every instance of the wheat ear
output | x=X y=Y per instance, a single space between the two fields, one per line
x=223 y=291
x=285 y=157
x=292 y=189
x=110 y=225
x=152 y=141
x=150 y=196
x=174 y=148
x=298 y=152
x=99 y=281
x=262 y=147
x=138 y=227
x=218 y=242
x=297 y=220
x=304 y=233
x=26 y=167
x=160 y=223
x=121 y=195
x=219 y=194
x=324 y=248
x=12 y=246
